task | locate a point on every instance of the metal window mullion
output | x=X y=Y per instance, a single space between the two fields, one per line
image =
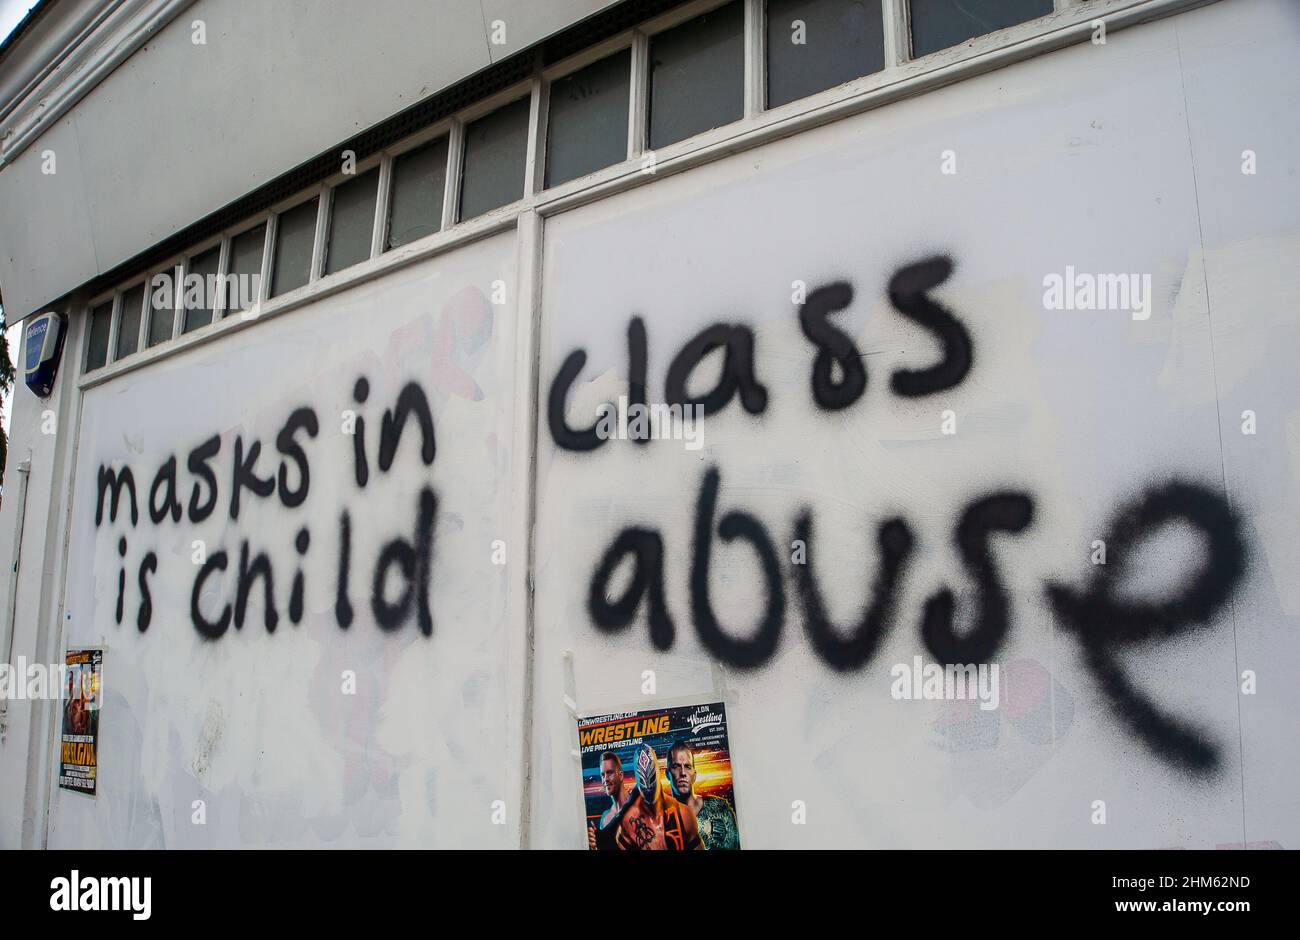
x=178 y=298
x=268 y=259
x=898 y=42
x=142 y=339
x=755 y=57
x=455 y=165
x=535 y=159
x=639 y=96
x=323 y=201
x=223 y=270
x=146 y=307
x=379 y=234
x=85 y=337
x=114 y=325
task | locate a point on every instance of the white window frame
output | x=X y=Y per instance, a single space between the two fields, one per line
x=221 y=243
x=480 y=109
x=625 y=41
x=227 y=258
x=902 y=20
x=325 y=219
x=143 y=331
x=1070 y=23
x=442 y=129
x=109 y=297
x=273 y=231
x=676 y=17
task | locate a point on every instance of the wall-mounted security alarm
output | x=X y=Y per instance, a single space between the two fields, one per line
x=42 y=348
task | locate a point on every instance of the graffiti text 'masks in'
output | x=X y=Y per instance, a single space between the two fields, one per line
x=212 y=484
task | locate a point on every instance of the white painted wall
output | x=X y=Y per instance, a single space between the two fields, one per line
x=1124 y=158
x=256 y=723
x=24 y=747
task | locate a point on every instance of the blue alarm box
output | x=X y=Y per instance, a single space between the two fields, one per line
x=42 y=347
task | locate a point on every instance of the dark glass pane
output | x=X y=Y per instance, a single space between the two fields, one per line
x=813 y=45
x=200 y=299
x=938 y=24
x=246 y=268
x=697 y=75
x=294 y=236
x=419 y=179
x=162 y=319
x=493 y=174
x=352 y=222
x=128 y=323
x=587 y=127
x=101 y=320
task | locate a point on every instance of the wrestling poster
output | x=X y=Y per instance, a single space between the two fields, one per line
x=79 y=758
x=659 y=779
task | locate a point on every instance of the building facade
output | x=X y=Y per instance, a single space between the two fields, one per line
x=978 y=328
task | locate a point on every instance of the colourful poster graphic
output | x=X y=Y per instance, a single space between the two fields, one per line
x=79 y=751
x=659 y=779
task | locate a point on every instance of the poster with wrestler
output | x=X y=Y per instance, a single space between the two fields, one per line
x=78 y=757
x=659 y=779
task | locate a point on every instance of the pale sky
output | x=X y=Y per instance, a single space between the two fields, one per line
x=12 y=13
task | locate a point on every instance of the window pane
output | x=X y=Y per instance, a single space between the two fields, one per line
x=938 y=24
x=199 y=304
x=101 y=318
x=587 y=128
x=419 y=178
x=494 y=160
x=838 y=41
x=162 y=320
x=697 y=75
x=246 y=266
x=128 y=326
x=294 y=236
x=352 y=222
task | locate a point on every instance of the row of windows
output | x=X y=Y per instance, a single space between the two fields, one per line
x=694 y=80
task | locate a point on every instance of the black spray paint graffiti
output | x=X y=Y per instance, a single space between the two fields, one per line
x=408 y=561
x=737 y=344
x=841 y=649
x=908 y=291
x=1102 y=623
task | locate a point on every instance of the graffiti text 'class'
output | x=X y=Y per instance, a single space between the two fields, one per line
x=839 y=376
